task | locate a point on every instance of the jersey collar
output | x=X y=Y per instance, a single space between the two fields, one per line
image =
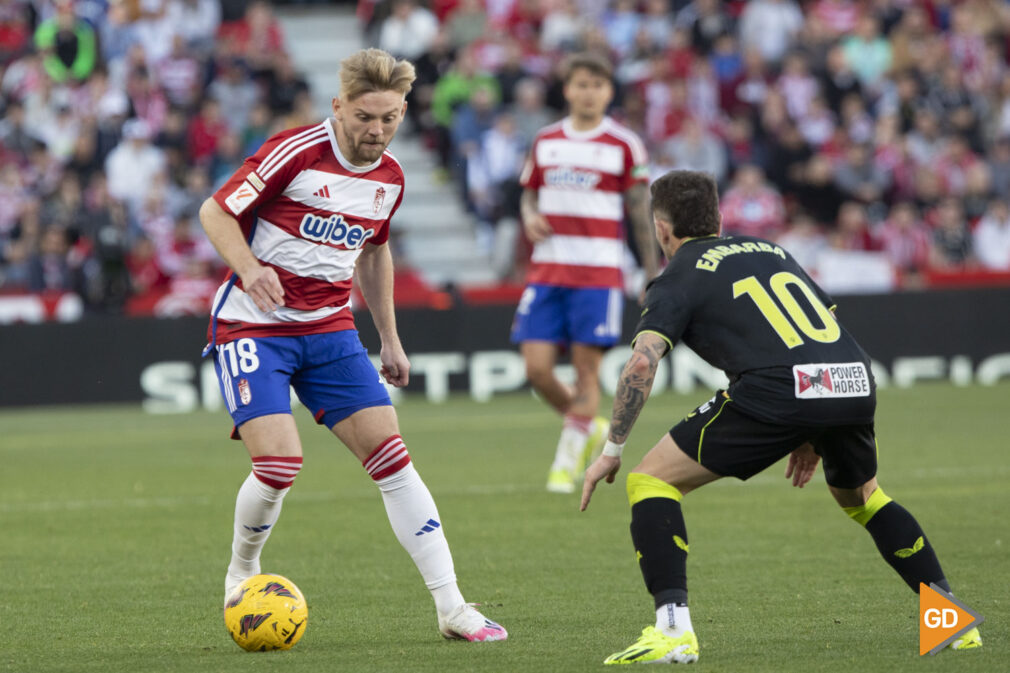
x=566 y=126
x=332 y=133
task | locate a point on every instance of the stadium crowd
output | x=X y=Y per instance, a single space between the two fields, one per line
x=119 y=119
x=871 y=138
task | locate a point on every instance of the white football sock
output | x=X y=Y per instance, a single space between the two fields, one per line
x=257 y=509
x=415 y=521
x=673 y=620
x=572 y=442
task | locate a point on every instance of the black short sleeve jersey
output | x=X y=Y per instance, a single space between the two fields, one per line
x=745 y=306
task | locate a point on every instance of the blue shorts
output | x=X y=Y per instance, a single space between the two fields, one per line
x=331 y=375
x=564 y=315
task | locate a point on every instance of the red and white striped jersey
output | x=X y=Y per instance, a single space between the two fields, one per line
x=307 y=212
x=580 y=178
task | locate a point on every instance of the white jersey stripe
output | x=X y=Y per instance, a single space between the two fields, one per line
x=304 y=258
x=283 y=147
x=574 y=203
x=294 y=151
x=239 y=307
x=585 y=154
x=229 y=393
x=579 y=251
x=638 y=154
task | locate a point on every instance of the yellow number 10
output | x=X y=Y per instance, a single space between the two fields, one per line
x=780 y=283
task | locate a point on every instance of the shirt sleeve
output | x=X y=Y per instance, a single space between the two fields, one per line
x=382 y=236
x=262 y=176
x=636 y=163
x=667 y=309
x=531 y=176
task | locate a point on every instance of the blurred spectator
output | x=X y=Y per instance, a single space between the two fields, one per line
x=694 y=148
x=134 y=165
x=466 y=23
x=205 y=130
x=952 y=244
x=787 y=152
x=179 y=74
x=805 y=241
x=67 y=44
x=528 y=111
x=620 y=25
x=15 y=31
x=284 y=86
x=16 y=271
x=853 y=229
x=858 y=177
x=797 y=85
x=999 y=165
x=196 y=22
x=409 y=30
x=991 y=237
x=751 y=206
x=770 y=26
x=256 y=38
x=868 y=53
x=454 y=88
x=14 y=135
x=49 y=268
x=708 y=21
x=905 y=239
x=231 y=87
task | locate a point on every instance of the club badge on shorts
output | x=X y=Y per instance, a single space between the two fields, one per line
x=244 y=392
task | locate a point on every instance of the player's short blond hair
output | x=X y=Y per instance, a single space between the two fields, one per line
x=371 y=70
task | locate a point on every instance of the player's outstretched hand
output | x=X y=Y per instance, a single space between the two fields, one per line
x=262 y=284
x=536 y=227
x=802 y=465
x=395 y=365
x=604 y=467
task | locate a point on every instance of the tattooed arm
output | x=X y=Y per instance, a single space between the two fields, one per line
x=632 y=391
x=637 y=200
x=635 y=384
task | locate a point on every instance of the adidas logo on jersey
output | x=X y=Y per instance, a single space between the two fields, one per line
x=323 y=192
x=335 y=231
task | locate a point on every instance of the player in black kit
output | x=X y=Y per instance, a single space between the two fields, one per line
x=800 y=386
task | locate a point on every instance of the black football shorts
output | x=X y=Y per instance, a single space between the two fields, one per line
x=732 y=444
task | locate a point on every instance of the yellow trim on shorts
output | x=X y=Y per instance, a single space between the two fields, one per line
x=669 y=343
x=643 y=486
x=701 y=436
x=863 y=513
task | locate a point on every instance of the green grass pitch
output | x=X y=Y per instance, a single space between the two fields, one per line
x=115 y=529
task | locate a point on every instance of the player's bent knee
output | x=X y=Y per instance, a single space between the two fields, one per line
x=862 y=514
x=642 y=486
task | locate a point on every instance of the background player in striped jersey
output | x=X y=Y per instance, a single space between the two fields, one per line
x=583 y=174
x=294 y=223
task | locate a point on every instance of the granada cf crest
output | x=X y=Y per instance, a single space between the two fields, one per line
x=380 y=196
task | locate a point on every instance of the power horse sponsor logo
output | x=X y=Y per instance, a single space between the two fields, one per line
x=334 y=231
x=818 y=381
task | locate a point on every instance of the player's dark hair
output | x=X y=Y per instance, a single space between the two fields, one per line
x=689 y=200
x=596 y=63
